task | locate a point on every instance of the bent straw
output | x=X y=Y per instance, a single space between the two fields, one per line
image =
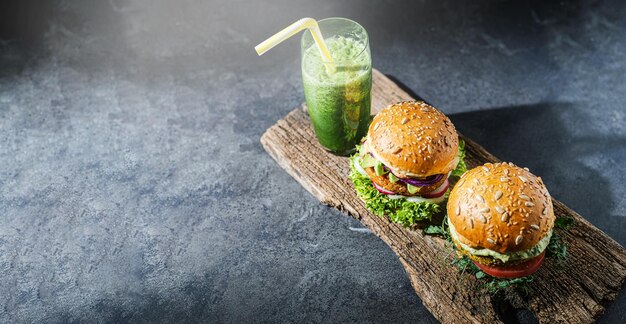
x=304 y=23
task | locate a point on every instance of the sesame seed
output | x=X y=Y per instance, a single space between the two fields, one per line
x=480 y=198
x=504 y=217
x=518 y=240
x=498 y=194
x=529 y=204
x=523 y=196
x=503 y=179
x=535 y=226
x=522 y=178
x=485 y=210
x=499 y=209
x=490 y=240
x=458 y=210
x=482 y=218
x=485 y=168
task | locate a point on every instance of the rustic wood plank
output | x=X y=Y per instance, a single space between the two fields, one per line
x=593 y=275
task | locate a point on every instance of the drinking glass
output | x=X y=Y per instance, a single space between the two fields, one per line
x=338 y=97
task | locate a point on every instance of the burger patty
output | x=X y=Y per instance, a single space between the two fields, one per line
x=400 y=187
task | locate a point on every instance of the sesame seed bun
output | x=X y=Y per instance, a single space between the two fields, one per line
x=414 y=140
x=500 y=207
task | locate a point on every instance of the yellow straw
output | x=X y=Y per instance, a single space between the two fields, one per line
x=304 y=23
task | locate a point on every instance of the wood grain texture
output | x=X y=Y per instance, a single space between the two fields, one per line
x=594 y=273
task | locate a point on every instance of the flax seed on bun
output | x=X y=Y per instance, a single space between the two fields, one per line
x=414 y=139
x=500 y=207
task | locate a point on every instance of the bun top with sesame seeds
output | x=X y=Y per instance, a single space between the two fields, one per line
x=500 y=207
x=414 y=140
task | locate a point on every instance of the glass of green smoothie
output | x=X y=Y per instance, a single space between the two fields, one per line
x=338 y=99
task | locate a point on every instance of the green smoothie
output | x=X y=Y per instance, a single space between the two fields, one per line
x=339 y=102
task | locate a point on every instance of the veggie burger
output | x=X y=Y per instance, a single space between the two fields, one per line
x=403 y=164
x=501 y=217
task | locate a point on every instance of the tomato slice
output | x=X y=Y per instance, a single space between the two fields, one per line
x=519 y=270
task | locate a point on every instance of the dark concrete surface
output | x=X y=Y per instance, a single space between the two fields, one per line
x=133 y=186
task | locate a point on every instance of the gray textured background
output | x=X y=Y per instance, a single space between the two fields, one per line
x=133 y=186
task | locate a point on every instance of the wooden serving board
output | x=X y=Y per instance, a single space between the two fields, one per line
x=594 y=273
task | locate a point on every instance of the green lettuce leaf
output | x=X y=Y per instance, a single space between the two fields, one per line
x=461 y=167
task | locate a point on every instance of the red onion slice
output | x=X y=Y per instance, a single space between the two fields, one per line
x=358 y=167
x=429 y=181
x=440 y=191
x=382 y=190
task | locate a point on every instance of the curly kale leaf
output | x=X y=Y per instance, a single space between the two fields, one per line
x=461 y=167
